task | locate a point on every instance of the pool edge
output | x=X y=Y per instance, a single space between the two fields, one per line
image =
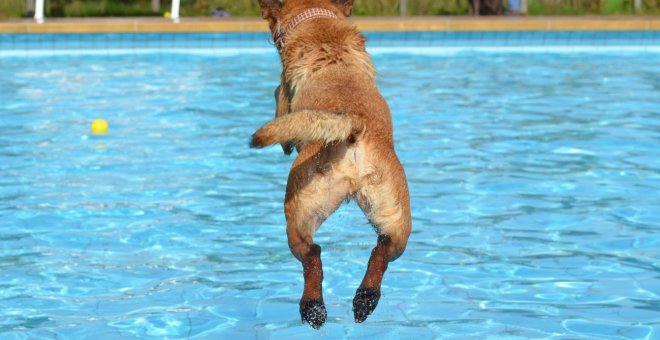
x=147 y=25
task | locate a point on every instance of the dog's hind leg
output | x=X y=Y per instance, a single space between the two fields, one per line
x=311 y=197
x=386 y=203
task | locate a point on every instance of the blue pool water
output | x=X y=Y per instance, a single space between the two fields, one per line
x=535 y=187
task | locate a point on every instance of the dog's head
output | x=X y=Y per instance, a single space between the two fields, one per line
x=279 y=13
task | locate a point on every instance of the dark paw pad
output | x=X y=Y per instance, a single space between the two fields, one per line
x=313 y=312
x=287 y=148
x=364 y=303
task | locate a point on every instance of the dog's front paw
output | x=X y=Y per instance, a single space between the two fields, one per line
x=364 y=303
x=313 y=312
x=287 y=148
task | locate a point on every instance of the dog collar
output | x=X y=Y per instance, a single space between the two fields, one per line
x=308 y=14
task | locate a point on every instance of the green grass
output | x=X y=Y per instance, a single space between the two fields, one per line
x=370 y=7
x=205 y=7
x=12 y=8
x=651 y=7
x=97 y=8
x=591 y=7
x=434 y=7
x=241 y=8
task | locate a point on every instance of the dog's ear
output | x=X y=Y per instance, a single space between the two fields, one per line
x=346 y=6
x=270 y=10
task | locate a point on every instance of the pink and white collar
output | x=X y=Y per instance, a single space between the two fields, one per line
x=308 y=14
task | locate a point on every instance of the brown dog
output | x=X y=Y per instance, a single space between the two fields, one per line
x=329 y=108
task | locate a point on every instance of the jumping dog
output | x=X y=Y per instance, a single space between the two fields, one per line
x=330 y=110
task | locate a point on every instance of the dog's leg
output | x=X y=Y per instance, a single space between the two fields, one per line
x=367 y=296
x=312 y=195
x=386 y=204
x=312 y=308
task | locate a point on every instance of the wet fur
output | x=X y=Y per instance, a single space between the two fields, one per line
x=329 y=108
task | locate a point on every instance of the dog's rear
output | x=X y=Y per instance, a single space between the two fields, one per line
x=329 y=108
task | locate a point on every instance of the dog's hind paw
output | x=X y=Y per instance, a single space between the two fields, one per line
x=313 y=312
x=364 y=303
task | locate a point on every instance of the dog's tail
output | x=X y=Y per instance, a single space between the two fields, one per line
x=305 y=126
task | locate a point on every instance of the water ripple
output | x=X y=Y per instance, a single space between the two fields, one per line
x=534 y=182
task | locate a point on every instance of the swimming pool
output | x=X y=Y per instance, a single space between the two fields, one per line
x=534 y=183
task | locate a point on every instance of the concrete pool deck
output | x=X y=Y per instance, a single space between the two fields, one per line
x=145 y=25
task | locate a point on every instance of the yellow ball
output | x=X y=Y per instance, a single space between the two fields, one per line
x=167 y=14
x=99 y=127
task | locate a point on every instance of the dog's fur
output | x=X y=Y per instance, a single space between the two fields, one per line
x=330 y=110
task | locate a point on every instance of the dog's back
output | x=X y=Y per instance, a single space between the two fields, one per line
x=329 y=71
